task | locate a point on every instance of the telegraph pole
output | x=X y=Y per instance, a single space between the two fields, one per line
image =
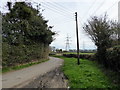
x=78 y=62
x=118 y=22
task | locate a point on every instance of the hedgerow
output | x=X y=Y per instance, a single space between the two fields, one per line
x=113 y=58
x=26 y=35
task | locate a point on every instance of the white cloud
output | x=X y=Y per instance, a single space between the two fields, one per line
x=62 y=18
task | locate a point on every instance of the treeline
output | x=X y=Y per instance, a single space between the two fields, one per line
x=105 y=34
x=25 y=33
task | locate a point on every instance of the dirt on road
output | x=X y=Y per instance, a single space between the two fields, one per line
x=45 y=75
x=52 y=79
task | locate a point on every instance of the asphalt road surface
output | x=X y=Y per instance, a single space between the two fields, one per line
x=21 y=78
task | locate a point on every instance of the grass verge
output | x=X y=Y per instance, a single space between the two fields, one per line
x=7 y=69
x=86 y=75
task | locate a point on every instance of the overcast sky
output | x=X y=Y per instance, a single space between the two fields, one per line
x=61 y=15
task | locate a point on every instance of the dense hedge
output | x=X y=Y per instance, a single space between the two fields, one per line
x=14 y=55
x=25 y=34
x=113 y=58
x=82 y=56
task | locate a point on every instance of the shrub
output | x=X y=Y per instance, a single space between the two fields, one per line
x=50 y=54
x=82 y=56
x=113 y=58
x=14 y=55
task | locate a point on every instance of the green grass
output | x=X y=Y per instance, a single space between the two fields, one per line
x=76 y=53
x=8 y=69
x=86 y=75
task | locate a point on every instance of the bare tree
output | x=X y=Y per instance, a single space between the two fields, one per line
x=99 y=30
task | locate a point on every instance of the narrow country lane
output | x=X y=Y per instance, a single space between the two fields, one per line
x=20 y=78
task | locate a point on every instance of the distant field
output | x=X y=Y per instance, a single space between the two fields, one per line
x=76 y=53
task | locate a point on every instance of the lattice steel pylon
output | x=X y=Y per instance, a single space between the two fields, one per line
x=67 y=47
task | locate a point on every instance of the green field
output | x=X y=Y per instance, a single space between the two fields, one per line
x=86 y=75
x=79 y=53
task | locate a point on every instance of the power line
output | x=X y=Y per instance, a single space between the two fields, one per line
x=58 y=6
x=67 y=19
x=106 y=9
x=99 y=7
x=111 y=7
x=54 y=7
x=89 y=9
x=55 y=11
x=58 y=13
x=57 y=18
x=80 y=20
x=64 y=7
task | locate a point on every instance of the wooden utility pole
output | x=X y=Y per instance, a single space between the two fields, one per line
x=118 y=23
x=78 y=62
